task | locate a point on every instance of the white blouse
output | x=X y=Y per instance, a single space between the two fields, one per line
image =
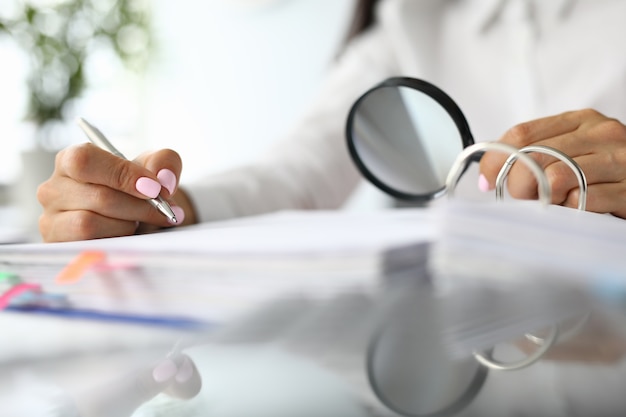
x=502 y=61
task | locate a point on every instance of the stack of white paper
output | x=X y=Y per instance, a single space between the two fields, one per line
x=518 y=241
x=212 y=271
x=515 y=267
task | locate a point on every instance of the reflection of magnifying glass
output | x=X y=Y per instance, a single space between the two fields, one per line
x=408 y=367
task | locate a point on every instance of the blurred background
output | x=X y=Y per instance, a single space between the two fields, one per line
x=216 y=80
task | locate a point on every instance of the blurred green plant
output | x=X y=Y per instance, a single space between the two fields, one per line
x=60 y=35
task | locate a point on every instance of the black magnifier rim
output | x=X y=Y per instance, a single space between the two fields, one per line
x=455 y=406
x=436 y=94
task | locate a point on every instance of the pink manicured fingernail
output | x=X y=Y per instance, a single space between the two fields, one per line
x=483 y=184
x=180 y=215
x=164 y=371
x=167 y=179
x=185 y=371
x=148 y=187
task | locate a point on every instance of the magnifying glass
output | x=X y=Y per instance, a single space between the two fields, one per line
x=404 y=135
x=411 y=140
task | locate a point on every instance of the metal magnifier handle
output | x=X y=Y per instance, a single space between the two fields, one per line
x=545 y=196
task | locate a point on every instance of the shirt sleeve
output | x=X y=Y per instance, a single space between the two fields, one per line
x=310 y=168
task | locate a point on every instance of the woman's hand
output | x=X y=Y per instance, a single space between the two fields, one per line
x=94 y=194
x=596 y=142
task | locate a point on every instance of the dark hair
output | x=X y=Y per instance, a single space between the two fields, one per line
x=362 y=19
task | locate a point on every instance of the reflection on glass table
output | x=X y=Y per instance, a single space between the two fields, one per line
x=299 y=358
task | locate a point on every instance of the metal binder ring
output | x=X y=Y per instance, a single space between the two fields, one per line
x=545 y=196
x=582 y=205
x=461 y=162
x=563 y=335
x=566 y=159
x=486 y=358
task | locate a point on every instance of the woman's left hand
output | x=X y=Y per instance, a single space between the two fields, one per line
x=598 y=145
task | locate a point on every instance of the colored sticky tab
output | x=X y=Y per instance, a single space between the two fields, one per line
x=77 y=268
x=38 y=298
x=5 y=299
x=9 y=278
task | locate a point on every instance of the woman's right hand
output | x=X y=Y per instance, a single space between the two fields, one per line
x=94 y=194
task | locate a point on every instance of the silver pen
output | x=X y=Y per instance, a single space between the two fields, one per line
x=97 y=138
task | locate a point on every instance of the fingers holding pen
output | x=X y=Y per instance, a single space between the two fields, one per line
x=167 y=165
x=93 y=193
x=65 y=194
x=82 y=225
x=86 y=163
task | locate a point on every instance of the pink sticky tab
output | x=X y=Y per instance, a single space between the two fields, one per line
x=5 y=299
